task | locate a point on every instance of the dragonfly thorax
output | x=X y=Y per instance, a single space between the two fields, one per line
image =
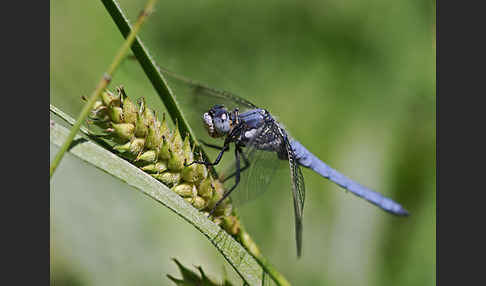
x=218 y=121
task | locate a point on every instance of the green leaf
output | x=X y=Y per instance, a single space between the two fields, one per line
x=191 y=278
x=102 y=84
x=150 y=68
x=236 y=255
x=232 y=254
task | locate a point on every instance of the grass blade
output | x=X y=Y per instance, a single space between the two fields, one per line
x=159 y=83
x=238 y=257
x=103 y=83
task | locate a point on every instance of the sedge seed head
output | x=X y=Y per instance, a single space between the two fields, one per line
x=159 y=167
x=124 y=131
x=148 y=156
x=164 y=153
x=154 y=138
x=140 y=127
x=129 y=111
x=109 y=99
x=116 y=114
x=185 y=190
x=176 y=162
x=199 y=203
x=168 y=178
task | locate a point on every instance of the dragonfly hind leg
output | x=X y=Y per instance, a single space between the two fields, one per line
x=237 y=181
x=245 y=159
x=247 y=165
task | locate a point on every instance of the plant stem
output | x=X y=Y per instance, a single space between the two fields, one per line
x=152 y=71
x=103 y=83
x=247 y=242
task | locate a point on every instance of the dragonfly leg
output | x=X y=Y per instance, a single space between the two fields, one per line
x=211 y=145
x=216 y=162
x=247 y=165
x=237 y=181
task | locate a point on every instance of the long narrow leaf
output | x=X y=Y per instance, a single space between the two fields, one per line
x=153 y=73
x=238 y=257
x=159 y=83
x=102 y=84
x=150 y=68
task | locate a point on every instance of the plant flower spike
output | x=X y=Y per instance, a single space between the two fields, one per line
x=139 y=136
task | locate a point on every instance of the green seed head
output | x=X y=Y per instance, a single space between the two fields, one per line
x=199 y=203
x=218 y=189
x=176 y=142
x=206 y=188
x=141 y=129
x=168 y=178
x=100 y=112
x=227 y=207
x=154 y=137
x=137 y=145
x=149 y=116
x=123 y=148
x=148 y=156
x=133 y=147
x=219 y=211
x=164 y=153
x=159 y=167
x=164 y=129
x=218 y=220
x=124 y=131
x=98 y=105
x=185 y=190
x=116 y=114
x=224 y=208
x=141 y=137
x=194 y=173
x=129 y=111
x=189 y=173
x=186 y=149
x=202 y=170
x=109 y=99
x=176 y=162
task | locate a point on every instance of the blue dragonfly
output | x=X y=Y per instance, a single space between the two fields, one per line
x=260 y=143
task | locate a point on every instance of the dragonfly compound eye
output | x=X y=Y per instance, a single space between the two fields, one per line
x=221 y=124
x=208 y=123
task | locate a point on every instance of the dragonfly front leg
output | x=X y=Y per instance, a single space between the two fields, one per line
x=237 y=181
x=227 y=141
x=212 y=145
x=216 y=162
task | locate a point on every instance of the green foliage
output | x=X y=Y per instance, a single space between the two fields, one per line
x=191 y=278
x=363 y=74
x=243 y=262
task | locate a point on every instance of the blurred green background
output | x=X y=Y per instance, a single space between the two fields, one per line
x=354 y=81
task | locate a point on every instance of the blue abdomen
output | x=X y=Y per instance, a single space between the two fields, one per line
x=309 y=160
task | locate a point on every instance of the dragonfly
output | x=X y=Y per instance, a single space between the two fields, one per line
x=260 y=142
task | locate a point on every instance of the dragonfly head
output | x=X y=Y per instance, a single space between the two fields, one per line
x=217 y=121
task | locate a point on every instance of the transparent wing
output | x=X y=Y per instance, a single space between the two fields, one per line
x=298 y=192
x=255 y=177
x=209 y=91
x=263 y=165
x=262 y=156
x=195 y=99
